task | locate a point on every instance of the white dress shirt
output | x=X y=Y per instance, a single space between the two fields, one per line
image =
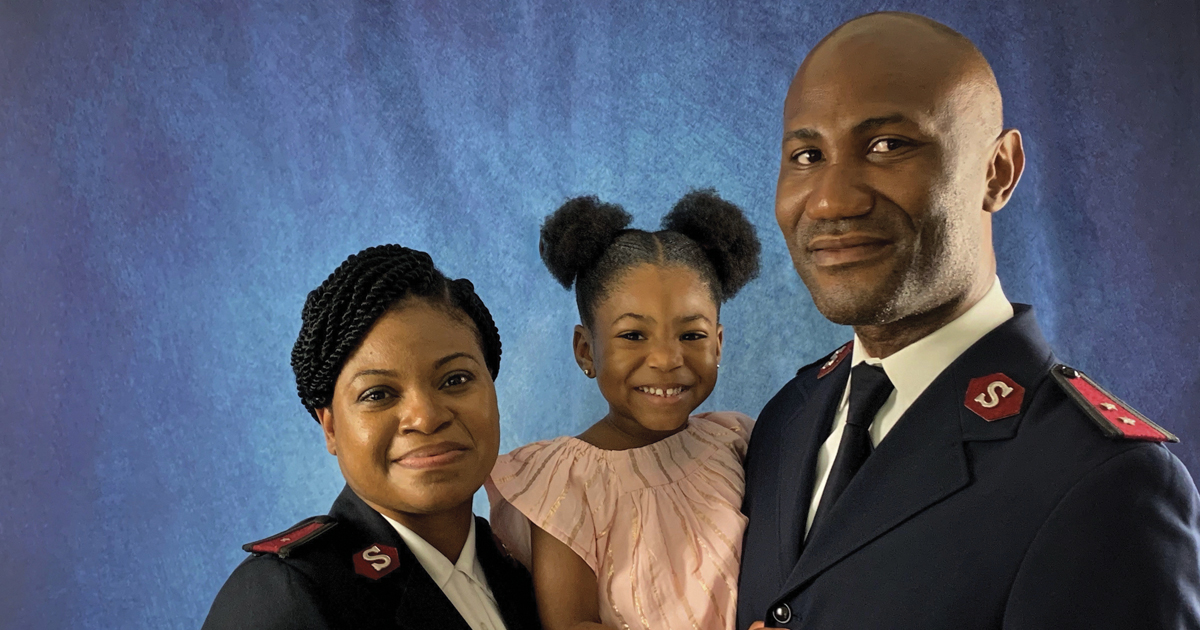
x=463 y=582
x=911 y=370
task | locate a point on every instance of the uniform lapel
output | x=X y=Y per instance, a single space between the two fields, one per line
x=510 y=583
x=804 y=433
x=409 y=591
x=923 y=460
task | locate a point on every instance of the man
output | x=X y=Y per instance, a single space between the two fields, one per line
x=943 y=470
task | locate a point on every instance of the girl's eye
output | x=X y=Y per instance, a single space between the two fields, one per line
x=454 y=380
x=887 y=144
x=632 y=336
x=807 y=157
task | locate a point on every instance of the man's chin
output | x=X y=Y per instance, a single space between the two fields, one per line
x=850 y=305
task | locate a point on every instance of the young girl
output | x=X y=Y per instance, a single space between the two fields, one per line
x=636 y=522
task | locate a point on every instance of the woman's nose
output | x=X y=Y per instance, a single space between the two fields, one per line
x=422 y=412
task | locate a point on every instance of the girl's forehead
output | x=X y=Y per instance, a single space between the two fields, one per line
x=670 y=291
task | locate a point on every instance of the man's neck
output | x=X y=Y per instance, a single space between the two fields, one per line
x=884 y=340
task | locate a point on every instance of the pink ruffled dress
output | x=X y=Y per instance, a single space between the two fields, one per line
x=661 y=525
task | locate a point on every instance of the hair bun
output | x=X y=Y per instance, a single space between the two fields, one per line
x=575 y=235
x=723 y=232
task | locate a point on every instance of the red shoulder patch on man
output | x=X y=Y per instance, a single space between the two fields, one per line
x=376 y=561
x=1115 y=418
x=994 y=397
x=287 y=541
x=835 y=359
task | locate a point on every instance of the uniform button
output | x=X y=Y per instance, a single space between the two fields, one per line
x=1068 y=372
x=782 y=613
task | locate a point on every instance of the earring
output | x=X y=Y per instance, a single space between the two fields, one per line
x=587 y=372
x=718 y=366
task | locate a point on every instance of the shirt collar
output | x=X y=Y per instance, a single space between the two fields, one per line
x=435 y=564
x=915 y=366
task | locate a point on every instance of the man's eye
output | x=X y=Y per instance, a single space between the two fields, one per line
x=807 y=157
x=887 y=144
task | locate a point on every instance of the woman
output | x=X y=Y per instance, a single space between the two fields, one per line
x=396 y=363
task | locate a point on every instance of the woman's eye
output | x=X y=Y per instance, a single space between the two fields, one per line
x=374 y=395
x=887 y=144
x=693 y=336
x=454 y=380
x=807 y=157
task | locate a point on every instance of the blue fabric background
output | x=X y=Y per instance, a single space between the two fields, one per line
x=174 y=177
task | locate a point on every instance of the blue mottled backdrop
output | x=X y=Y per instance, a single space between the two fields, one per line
x=175 y=176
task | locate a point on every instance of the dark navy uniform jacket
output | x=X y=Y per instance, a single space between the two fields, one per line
x=1033 y=521
x=319 y=585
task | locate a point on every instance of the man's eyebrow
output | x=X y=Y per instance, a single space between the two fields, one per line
x=802 y=134
x=871 y=124
x=450 y=357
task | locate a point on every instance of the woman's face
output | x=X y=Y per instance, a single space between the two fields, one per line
x=414 y=422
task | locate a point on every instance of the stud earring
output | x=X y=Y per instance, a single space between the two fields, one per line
x=587 y=372
x=718 y=366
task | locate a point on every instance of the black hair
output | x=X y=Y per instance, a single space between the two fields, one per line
x=338 y=314
x=586 y=242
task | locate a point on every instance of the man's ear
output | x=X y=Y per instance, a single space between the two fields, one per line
x=1008 y=162
x=325 y=417
x=582 y=343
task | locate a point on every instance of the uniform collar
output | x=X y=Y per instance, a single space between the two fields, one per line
x=435 y=564
x=915 y=366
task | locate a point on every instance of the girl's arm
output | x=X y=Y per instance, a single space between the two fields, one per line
x=564 y=584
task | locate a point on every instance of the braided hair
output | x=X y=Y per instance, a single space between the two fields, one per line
x=338 y=314
x=586 y=243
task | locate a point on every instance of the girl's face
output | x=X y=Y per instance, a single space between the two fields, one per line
x=654 y=346
x=414 y=422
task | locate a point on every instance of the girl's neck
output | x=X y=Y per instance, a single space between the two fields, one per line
x=617 y=433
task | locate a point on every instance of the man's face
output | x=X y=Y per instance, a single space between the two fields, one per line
x=881 y=184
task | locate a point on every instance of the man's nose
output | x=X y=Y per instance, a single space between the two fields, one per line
x=422 y=412
x=838 y=193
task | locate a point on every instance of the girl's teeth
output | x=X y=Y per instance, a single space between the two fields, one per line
x=660 y=392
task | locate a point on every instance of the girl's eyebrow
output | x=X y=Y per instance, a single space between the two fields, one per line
x=692 y=318
x=643 y=318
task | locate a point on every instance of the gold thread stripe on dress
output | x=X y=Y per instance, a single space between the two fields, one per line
x=730 y=584
x=524 y=464
x=683 y=527
x=683 y=445
x=662 y=606
x=534 y=476
x=638 y=472
x=633 y=582
x=662 y=468
x=608 y=561
x=671 y=454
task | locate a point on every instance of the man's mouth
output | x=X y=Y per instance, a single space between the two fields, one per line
x=831 y=251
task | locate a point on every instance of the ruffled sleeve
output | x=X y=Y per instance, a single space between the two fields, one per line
x=563 y=487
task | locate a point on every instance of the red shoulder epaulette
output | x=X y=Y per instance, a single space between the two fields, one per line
x=1115 y=418
x=287 y=541
x=835 y=359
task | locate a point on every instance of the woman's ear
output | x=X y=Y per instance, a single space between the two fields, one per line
x=582 y=343
x=325 y=417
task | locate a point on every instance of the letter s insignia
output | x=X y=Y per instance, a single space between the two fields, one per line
x=376 y=561
x=994 y=397
x=995 y=391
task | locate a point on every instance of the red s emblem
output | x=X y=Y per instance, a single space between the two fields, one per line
x=994 y=397
x=376 y=561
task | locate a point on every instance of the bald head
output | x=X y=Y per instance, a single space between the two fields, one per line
x=907 y=54
x=894 y=159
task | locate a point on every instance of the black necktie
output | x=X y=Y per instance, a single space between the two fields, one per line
x=869 y=389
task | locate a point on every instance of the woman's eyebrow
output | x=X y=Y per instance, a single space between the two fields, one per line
x=450 y=357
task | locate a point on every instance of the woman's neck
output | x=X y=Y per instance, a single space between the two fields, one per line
x=446 y=531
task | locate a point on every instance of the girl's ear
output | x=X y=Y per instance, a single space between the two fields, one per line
x=720 y=342
x=325 y=417
x=582 y=342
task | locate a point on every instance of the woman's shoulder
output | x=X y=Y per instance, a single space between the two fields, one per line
x=266 y=591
